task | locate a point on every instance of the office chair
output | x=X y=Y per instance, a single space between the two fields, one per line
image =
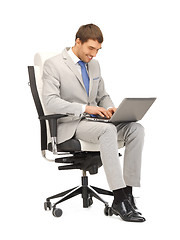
x=71 y=154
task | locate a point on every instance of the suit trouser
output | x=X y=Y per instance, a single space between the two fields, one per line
x=107 y=135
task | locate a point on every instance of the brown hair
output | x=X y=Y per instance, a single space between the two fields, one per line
x=89 y=31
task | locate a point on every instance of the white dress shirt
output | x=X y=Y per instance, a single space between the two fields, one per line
x=75 y=59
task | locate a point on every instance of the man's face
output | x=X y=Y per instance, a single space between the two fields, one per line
x=86 y=51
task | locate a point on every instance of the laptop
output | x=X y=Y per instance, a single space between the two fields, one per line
x=129 y=110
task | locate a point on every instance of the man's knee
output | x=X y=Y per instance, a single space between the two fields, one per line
x=110 y=128
x=137 y=128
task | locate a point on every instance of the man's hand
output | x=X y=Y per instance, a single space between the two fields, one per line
x=99 y=111
x=111 y=111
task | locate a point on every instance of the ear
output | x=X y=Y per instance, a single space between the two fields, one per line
x=78 y=42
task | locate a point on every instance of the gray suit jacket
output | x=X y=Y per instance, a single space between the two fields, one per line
x=64 y=92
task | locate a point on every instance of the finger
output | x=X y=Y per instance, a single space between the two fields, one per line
x=100 y=113
x=110 y=113
x=106 y=113
x=111 y=110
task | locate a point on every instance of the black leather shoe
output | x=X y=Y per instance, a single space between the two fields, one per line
x=126 y=212
x=131 y=200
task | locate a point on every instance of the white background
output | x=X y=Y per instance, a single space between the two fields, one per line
x=140 y=58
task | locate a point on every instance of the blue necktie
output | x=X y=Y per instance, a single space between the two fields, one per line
x=84 y=76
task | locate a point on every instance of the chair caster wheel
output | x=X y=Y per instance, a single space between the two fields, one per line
x=47 y=205
x=57 y=212
x=108 y=211
x=87 y=202
x=90 y=201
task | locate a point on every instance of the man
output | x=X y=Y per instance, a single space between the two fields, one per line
x=73 y=85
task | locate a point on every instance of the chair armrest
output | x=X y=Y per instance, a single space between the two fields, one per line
x=52 y=119
x=52 y=116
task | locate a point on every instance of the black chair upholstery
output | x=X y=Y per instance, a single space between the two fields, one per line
x=71 y=145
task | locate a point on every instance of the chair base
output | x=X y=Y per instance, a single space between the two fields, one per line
x=87 y=193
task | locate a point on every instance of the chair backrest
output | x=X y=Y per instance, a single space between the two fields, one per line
x=36 y=84
x=39 y=60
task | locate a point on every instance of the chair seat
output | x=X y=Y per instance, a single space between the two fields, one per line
x=76 y=145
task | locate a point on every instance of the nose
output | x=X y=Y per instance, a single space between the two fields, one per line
x=94 y=53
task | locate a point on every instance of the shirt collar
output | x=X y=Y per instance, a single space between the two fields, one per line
x=73 y=56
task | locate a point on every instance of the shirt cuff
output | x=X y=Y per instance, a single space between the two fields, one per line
x=83 y=108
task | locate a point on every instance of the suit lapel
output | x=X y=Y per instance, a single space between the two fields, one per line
x=69 y=62
x=90 y=78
